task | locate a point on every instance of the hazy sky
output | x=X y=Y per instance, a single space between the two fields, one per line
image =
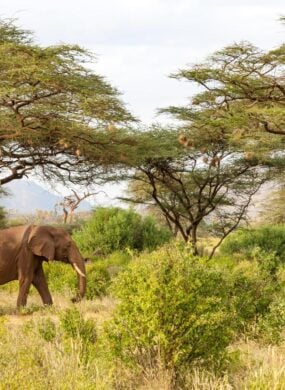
x=140 y=42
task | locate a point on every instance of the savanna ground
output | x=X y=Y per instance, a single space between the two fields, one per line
x=65 y=346
x=33 y=357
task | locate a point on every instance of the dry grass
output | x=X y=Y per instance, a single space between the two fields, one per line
x=263 y=367
x=27 y=361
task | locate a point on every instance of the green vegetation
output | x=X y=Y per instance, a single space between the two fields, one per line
x=75 y=325
x=3 y=220
x=209 y=177
x=251 y=243
x=175 y=309
x=49 y=99
x=112 y=229
x=164 y=318
x=61 y=278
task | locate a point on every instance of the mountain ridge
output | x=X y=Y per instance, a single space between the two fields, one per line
x=26 y=196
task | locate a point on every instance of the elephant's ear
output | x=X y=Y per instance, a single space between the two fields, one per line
x=41 y=243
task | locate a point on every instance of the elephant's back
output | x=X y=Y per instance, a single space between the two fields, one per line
x=10 y=241
x=10 y=238
x=14 y=233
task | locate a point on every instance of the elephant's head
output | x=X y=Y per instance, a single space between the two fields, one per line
x=56 y=244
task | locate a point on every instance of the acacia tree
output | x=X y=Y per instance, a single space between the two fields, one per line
x=240 y=109
x=243 y=88
x=71 y=202
x=237 y=117
x=213 y=183
x=54 y=110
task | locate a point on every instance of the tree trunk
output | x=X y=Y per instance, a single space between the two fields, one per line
x=65 y=216
x=194 y=241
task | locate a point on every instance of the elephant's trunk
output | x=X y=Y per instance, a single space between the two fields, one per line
x=78 y=264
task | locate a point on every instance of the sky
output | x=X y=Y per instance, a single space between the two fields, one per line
x=138 y=43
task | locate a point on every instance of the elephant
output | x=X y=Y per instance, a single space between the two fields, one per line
x=22 y=252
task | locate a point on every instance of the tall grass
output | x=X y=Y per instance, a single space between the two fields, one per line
x=29 y=360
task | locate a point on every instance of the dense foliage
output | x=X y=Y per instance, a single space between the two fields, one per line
x=111 y=229
x=241 y=92
x=62 y=278
x=246 y=243
x=173 y=312
x=177 y=309
x=54 y=109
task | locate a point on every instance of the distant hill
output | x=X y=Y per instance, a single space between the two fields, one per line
x=26 y=196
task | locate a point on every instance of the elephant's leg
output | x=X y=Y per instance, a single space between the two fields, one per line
x=40 y=283
x=24 y=286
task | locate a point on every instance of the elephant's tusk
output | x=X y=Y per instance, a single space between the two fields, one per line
x=78 y=270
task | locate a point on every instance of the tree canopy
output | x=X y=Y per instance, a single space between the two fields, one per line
x=193 y=184
x=242 y=91
x=55 y=112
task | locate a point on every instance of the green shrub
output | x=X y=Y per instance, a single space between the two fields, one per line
x=47 y=329
x=116 y=262
x=81 y=330
x=179 y=309
x=252 y=290
x=98 y=280
x=169 y=307
x=271 y=326
x=112 y=229
x=101 y=272
x=267 y=240
x=61 y=277
x=75 y=326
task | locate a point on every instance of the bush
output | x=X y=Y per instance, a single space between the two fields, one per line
x=169 y=307
x=75 y=326
x=47 y=329
x=101 y=272
x=116 y=262
x=98 y=280
x=252 y=290
x=245 y=242
x=179 y=309
x=271 y=326
x=62 y=278
x=112 y=229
